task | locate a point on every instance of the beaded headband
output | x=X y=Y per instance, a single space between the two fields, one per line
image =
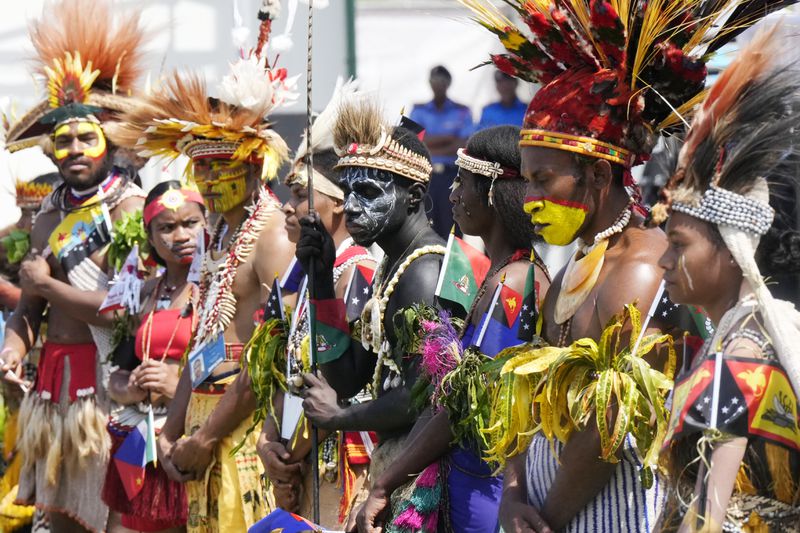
x=388 y=155
x=172 y=199
x=211 y=149
x=490 y=169
x=577 y=144
x=723 y=207
x=299 y=176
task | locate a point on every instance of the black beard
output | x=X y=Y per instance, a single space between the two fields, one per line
x=97 y=178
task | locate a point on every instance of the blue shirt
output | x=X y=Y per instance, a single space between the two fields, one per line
x=451 y=119
x=497 y=114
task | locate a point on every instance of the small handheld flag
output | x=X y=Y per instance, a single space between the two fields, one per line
x=359 y=291
x=134 y=453
x=274 y=306
x=529 y=315
x=283 y=522
x=463 y=270
x=498 y=328
x=293 y=277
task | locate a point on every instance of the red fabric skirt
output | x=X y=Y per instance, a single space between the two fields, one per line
x=160 y=505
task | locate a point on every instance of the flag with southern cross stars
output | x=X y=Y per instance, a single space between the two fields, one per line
x=498 y=328
x=687 y=318
x=529 y=325
x=274 y=306
x=463 y=270
x=740 y=396
x=359 y=291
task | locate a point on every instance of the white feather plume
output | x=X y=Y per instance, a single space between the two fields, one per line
x=322 y=130
x=251 y=85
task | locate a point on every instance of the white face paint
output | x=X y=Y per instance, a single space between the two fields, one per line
x=682 y=264
x=371 y=199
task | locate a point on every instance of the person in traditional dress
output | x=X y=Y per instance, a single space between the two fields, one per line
x=733 y=446
x=610 y=83
x=346 y=457
x=232 y=149
x=174 y=219
x=87 y=55
x=384 y=172
x=487 y=201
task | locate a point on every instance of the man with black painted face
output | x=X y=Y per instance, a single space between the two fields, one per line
x=384 y=175
x=64 y=278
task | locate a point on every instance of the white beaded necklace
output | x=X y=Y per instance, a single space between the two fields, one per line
x=619 y=224
x=373 y=335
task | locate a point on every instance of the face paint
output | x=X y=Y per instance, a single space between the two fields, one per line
x=371 y=199
x=94 y=146
x=223 y=184
x=682 y=264
x=557 y=221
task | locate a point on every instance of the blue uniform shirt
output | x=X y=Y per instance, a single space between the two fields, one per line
x=451 y=119
x=497 y=114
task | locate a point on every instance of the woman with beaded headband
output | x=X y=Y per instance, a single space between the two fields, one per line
x=611 y=75
x=487 y=199
x=733 y=445
x=174 y=219
x=232 y=148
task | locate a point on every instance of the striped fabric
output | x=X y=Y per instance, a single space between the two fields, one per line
x=624 y=505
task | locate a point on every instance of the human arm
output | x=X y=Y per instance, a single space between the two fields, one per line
x=174 y=426
x=22 y=330
x=10 y=294
x=429 y=444
x=193 y=454
x=123 y=390
x=726 y=461
x=516 y=515
x=35 y=277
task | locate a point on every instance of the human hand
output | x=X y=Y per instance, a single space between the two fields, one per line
x=372 y=514
x=11 y=368
x=164 y=452
x=157 y=377
x=33 y=273
x=320 y=402
x=316 y=250
x=519 y=517
x=192 y=455
x=135 y=393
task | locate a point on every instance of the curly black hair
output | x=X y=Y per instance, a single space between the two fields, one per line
x=501 y=144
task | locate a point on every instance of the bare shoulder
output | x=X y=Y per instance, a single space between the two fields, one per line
x=418 y=282
x=128 y=205
x=633 y=274
x=45 y=223
x=516 y=274
x=274 y=250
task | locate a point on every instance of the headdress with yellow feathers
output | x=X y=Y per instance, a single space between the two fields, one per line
x=89 y=60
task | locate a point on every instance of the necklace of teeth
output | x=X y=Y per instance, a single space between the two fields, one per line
x=217 y=301
x=372 y=331
x=619 y=224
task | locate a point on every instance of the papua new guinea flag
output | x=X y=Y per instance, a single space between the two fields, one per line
x=280 y=521
x=529 y=314
x=274 y=306
x=498 y=329
x=359 y=291
x=463 y=270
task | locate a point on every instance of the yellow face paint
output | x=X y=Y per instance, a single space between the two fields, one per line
x=223 y=184
x=66 y=134
x=558 y=221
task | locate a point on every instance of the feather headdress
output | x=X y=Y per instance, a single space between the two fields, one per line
x=614 y=72
x=322 y=139
x=745 y=134
x=90 y=59
x=181 y=117
x=362 y=138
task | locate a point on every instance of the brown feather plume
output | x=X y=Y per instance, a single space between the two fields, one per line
x=358 y=122
x=87 y=27
x=750 y=64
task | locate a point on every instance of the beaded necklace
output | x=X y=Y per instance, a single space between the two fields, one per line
x=217 y=301
x=373 y=335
